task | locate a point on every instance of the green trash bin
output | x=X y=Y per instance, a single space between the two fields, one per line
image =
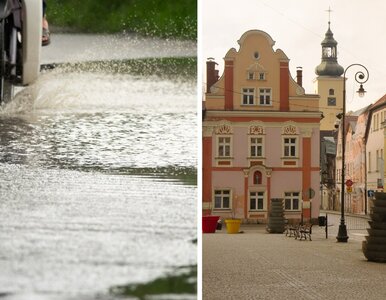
x=322 y=220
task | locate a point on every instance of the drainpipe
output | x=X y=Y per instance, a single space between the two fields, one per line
x=364 y=142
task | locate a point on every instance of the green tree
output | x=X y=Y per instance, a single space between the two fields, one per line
x=163 y=18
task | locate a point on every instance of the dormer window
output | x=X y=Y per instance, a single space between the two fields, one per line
x=256 y=75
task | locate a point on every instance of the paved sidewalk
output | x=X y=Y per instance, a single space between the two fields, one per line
x=259 y=265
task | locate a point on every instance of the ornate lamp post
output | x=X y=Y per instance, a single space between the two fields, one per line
x=361 y=78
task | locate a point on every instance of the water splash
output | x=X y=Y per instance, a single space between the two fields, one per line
x=103 y=121
x=60 y=91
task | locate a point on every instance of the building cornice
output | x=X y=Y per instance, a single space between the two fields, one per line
x=263 y=114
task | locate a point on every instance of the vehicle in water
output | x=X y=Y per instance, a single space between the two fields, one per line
x=20 y=44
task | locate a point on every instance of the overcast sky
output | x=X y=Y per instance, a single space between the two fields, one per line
x=298 y=27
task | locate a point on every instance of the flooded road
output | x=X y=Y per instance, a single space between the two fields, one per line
x=97 y=183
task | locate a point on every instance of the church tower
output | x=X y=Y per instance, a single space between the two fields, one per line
x=329 y=83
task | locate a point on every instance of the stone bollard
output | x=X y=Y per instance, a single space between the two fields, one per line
x=374 y=248
x=276 y=222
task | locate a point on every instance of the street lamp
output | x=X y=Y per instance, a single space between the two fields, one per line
x=361 y=78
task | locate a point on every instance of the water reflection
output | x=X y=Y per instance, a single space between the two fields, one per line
x=108 y=141
x=71 y=234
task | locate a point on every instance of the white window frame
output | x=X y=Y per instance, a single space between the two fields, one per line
x=222 y=193
x=291 y=197
x=256 y=197
x=376 y=160
x=295 y=145
x=223 y=144
x=261 y=76
x=265 y=92
x=247 y=94
x=256 y=145
x=251 y=75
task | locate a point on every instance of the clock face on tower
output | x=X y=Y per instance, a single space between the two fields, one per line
x=331 y=101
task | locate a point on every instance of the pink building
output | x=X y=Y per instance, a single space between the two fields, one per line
x=260 y=135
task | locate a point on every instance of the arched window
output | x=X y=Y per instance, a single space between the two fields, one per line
x=331 y=92
x=257 y=177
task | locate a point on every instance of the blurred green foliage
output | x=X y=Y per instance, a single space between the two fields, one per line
x=162 y=18
x=172 y=285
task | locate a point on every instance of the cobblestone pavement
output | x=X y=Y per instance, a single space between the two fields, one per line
x=259 y=265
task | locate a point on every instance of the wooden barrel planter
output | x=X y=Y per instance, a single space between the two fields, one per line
x=374 y=248
x=276 y=222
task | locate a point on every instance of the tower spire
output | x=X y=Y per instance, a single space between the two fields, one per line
x=329 y=15
x=329 y=65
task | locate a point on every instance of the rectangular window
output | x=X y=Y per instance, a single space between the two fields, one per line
x=262 y=76
x=369 y=163
x=251 y=75
x=222 y=199
x=377 y=160
x=256 y=201
x=224 y=147
x=265 y=96
x=256 y=147
x=290 y=147
x=292 y=201
x=248 y=96
x=375 y=122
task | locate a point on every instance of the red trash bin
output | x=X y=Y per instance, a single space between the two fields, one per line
x=209 y=224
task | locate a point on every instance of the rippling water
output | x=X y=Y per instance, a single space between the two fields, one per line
x=97 y=183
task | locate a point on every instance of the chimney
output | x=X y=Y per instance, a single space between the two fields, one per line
x=299 y=76
x=211 y=73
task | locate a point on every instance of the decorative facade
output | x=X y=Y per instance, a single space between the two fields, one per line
x=375 y=146
x=260 y=136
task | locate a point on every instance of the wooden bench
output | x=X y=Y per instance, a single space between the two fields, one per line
x=305 y=232
x=292 y=230
x=299 y=231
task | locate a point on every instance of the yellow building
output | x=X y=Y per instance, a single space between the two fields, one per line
x=329 y=83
